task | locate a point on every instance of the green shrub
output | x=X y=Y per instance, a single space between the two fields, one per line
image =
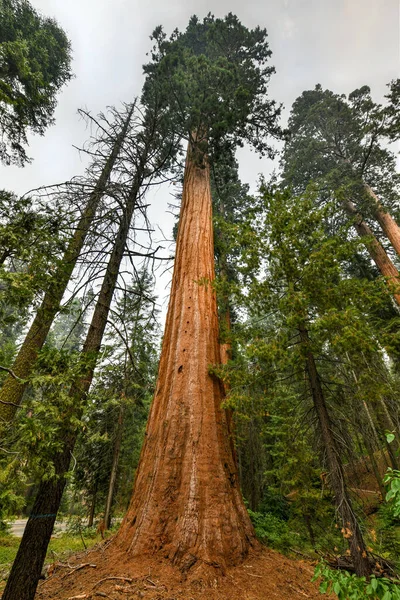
x=351 y=587
x=272 y=531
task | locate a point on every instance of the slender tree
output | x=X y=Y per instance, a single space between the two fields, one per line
x=13 y=387
x=153 y=152
x=350 y=526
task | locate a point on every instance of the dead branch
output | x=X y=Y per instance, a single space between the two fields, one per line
x=12 y=375
x=78 y=568
x=128 y=579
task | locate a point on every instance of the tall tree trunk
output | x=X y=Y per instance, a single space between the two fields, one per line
x=114 y=468
x=186 y=502
x=350 y=526
x=376 y=250
x=385 y=220
x=22 y=582
x=13 y=389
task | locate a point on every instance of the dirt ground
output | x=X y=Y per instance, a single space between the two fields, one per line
x=106 y=573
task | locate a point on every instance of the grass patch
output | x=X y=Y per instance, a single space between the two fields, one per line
x=60 y=548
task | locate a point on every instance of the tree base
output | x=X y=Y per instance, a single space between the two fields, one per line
x=265 y=574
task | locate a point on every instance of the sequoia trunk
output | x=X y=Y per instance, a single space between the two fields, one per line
x=186 y=502
x=376 y=250
x=385 y=220
x=13 y=389
x=350 y=527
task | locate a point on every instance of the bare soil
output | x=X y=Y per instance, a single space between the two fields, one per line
x=106 y=572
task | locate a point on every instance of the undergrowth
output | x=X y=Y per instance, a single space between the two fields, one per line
x=350 y=587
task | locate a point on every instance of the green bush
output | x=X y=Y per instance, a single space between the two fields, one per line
x=351 y=587
x=272 y=531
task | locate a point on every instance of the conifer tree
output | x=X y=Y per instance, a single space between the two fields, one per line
x=154 y=149
x=215 y=77
x=307 y=319
x=13 y=387
x=35 y=64
x=340 y=142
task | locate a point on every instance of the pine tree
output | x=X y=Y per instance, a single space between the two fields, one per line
x=341 y=143
x=314 y=306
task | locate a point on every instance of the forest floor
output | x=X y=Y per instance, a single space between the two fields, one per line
x=104 y=572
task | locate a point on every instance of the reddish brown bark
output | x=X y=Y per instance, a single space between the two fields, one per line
x=376 y=250
x=385 y=220
x=186 y=502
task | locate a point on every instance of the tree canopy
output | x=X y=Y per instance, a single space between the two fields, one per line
x=35 y=62
x=215 y=79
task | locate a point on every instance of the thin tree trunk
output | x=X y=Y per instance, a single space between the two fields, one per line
x=374 y=464
x=114 y=468
x=186 y=502
x=307 y=521
x=93 y=503
x=350 y=526
x=366 y=438
x=388 y=450
x=22 y=582
x=12 y=390
x=376 y=250
x=385 y=220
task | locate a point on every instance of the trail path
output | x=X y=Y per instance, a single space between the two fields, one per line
x=18 y=527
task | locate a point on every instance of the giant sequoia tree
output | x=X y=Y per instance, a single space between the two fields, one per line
x=186 y=501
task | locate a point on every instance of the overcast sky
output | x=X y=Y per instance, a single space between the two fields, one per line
x=341 y=44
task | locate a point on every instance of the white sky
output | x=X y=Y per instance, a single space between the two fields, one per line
x=341 y=44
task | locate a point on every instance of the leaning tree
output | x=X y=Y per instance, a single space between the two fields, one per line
x=186 y=502
x=108 y=146
x=152 y=149
x=342 y=143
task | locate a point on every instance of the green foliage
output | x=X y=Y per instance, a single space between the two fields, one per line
x=32 y=237
x=341 y=141
x=392 y=481
x=392 y=110
x=350 y=587
x=273 y=532
x=123 y=389
x=35 y=57
x=214 y=78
